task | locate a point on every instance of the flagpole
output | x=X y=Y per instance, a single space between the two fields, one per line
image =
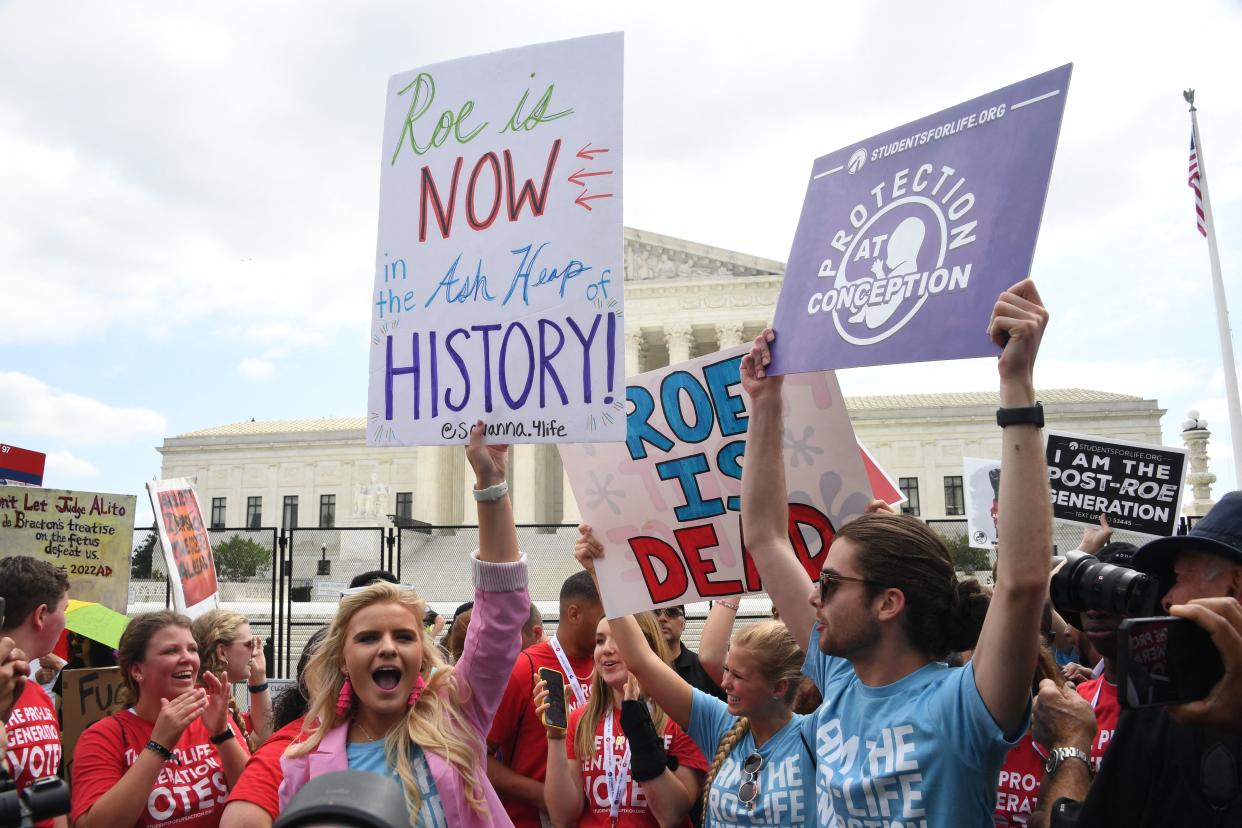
x=1222 y=310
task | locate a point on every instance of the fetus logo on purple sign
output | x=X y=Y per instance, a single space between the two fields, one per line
x=911 y=240
x=907 y=237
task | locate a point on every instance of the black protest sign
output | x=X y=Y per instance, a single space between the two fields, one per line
x=1138 y=487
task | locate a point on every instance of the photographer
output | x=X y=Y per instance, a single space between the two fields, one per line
x=35 y=595
x=1165 y=767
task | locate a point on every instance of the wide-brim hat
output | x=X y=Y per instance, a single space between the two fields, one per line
x=1219 y=532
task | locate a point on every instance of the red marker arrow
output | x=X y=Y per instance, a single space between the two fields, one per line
x=589 y=154
x=577 y=177
x=583 y=198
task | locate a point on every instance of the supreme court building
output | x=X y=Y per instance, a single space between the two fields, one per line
x=682 y=300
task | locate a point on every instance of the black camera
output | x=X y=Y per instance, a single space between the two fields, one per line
x=1087 y=583
x=346 y=799
x=42 y=799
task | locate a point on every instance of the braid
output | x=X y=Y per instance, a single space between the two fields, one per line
x=727 y=743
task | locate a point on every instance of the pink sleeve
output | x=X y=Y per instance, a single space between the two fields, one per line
x=494 y=639
x=295 y=770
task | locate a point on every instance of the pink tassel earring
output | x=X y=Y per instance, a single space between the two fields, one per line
x=417 y=691
x=346 y=700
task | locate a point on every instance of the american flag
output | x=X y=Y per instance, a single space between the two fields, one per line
x=1194 y=183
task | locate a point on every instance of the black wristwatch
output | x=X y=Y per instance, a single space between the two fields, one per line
x=1021 y=416
x=221 y=738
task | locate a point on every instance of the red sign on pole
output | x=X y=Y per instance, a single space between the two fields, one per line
x=21 y=467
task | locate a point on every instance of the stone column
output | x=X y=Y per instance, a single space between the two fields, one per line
x=679 y=338
x=443 y=503
x=728 y=334
x=635 y=346
x=526 y=491
x=1195 y=435
x=569 y=505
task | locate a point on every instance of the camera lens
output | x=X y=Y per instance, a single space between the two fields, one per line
x=1085 y=583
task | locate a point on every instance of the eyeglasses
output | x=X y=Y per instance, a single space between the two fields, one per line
x=670 y=612
x=748 y=791
x=829 y=581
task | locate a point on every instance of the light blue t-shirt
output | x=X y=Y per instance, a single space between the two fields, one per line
x=923 y=751
x=786 y=779
x=369 y=756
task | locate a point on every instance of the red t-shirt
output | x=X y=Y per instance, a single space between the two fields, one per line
x=34 y=738
x=518 y=734
x=633 y=811
x=1103 y=697
x=190 y=794
x=1017 y=792
x=260 y=781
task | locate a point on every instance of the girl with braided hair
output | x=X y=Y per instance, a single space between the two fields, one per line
x=227 y=648
x=762 y=771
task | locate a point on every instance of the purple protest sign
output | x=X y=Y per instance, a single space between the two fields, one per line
x=907 y=238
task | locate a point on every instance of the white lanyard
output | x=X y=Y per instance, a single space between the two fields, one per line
x=617 y=776
x=570 y=675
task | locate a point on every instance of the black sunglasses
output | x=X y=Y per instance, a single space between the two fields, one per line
x=748 y=791
x=671 y=612
x=829 y=581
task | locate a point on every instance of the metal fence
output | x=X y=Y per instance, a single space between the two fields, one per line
x=297 y=576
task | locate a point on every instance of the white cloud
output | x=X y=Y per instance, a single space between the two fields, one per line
x=63 y=464
x=31 y=406
x=252 y=368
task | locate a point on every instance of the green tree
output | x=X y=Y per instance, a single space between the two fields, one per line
x=967 y=558
x=239 y=558
x=143 y=557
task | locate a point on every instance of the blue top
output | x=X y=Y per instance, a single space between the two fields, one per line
x=786 y=778
x=369 y=756
x=923 y=750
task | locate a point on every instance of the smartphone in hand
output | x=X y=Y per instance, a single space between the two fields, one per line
x=556 y=715
x=1165 y=660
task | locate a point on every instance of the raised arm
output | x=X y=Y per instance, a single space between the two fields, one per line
x=765 y=499
x=1005 y=656
x=714 y=642
x=658 y=680
x=501 y=600
x=261 y=702
x=498 y=541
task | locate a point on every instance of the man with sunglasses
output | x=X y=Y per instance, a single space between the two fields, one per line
x=900 y=736
x=685 y=661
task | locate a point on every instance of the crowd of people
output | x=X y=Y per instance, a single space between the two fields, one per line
x=889 y=691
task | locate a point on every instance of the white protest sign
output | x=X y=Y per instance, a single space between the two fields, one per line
x=187 y=549
x=982 y=487
x=1136 y=485
x=666 y=503
x=498 y=273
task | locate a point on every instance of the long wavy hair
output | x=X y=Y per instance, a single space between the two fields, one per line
x=211 y=629
x=600 y=705
x=436 y=723
x=778 y=657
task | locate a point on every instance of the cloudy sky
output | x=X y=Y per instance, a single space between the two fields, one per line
x=188 y=193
